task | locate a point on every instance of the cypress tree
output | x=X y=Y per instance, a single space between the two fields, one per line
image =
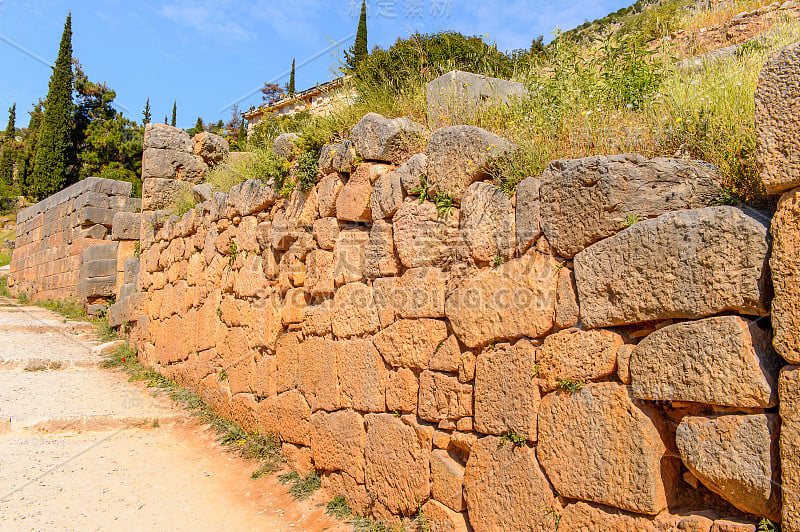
x=6 y=158
x=359 y=51
x=25 y=178
x=174 y=113
x=54 y=140
x=165 y=120
x=146 y=113
x=291 y=81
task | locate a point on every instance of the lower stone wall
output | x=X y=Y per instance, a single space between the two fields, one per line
x=53 y=235
x=503 y=366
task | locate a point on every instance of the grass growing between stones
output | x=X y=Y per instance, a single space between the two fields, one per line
x=264 y=449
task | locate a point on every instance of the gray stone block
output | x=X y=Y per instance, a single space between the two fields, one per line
x=121 y=203
x=160 y=193
x=95 y=231
x=111 y=187
x=92 y=216
x=97 y=287
x=166 y=137
x=457 y=93
x=127 y=226
x=95 y=309
x=100 y=252
x=98 y=268
x=126 y=290
x=172 y=164
x=131 y=270
x=92 y=199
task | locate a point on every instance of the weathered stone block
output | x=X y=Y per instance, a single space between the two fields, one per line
x=402 y=390
x=98 y=268
x=354 y=311
x=505 y=303
x=724 y=360
x=92 y=216
x=160 y=193
x=328 y=192
x=411 y=343
x=251 y=196
x=528 y=219
x=736 y=457
x=353 y=202
x=348 y=254
x=172 y=164
x=487 y=223
x=97 y=287
x=577 y=355
x=419 y=293
x=387 y=195
x=381 y=139
x=442 y=397
x=283 y=144
x=586 y=200
x=126 y=226
x=164 y=137
x=422 y=237
x=785 y=269
x=684 y=264
x=440 y=517
x=326 y=231
x=507 y=391
x=506 y=490
x=623 y=465
x=411 y=171
x=460 y=155
x=447 y=480
x=338 y=441
x=100 y=252
x=777 y=119
x=790 y=446
x=212 y=148
x=379 y=256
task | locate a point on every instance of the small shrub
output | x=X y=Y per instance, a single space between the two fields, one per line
x=512 y=437
x=444 y=204
x=497 y=261
x=307 y=170
x=422 y=189
x=765 y=525
x=137 y=249
x=338 y=508
x=302 y=487
x=183 y=203
x=570 y=385
x=233 y=252
x=286 y=478
x=631 y=220
x=223 y=375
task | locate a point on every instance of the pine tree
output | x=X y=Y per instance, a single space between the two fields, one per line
x=291 y=81
x=50 y=168
x=359 y=51
x=7 y=157
x=174 y=113
x=146 y=113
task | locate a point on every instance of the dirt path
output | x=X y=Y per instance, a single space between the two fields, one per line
x=80 y=448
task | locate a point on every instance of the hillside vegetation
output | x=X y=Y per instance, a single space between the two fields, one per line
x=611 y=86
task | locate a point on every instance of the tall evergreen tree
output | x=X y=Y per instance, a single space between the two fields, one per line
x=7 y=157
x=146 y=113
x=291 y=81
x=50 y=169
x=174 y=113
x=28 y=157
x=165 y=120
x=359 y=51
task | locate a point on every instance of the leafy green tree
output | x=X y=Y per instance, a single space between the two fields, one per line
x=291 y=81
x=174 y=113
x=146 y=113
x=50 y=173
x=359 y=51
x=9 y=152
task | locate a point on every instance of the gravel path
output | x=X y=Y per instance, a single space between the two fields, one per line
x=84 y=449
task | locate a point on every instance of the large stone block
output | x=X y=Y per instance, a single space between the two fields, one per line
x=251 y=196
x=410 y=343
x=379 y=256
x=387 y=195
x=506 y=490
x=212 y=148
x=126 y=226
x=353 y=202
x=100 y=252
x=283 y=144
x=777 y=119
x=317 y=373
x=349 y=252
x=440 y=517
x=160 y=193
x=172 y=164
x=577 y=355
x=457 y=94
x=92 y=199
x=381 y=139
x=93 y=216
x=98 y=268
x=164 y=137
x=586 y=200
x=422 y=237
x=97 y=287
x=622 y=467
x=447 y=481
x=487 y=223
x=328 y=192
x=419 y=293
x=363 y=375
x=528 y=218
x=397 y=463
x=513 y=300
x=789 y=392
x=684 y=264
x=785 y=269
x=354 y=311
x=507 y=390
x=736 y=457
x=724 y=360
x=337 y=442
x=443 y=398
x=460 y=155
x=411 y=172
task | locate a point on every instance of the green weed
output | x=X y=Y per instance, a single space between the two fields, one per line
x=303 y=487
x=515 y=439
x=233 y=252
x=338 y=508
x=631 y=220
x=570 y=385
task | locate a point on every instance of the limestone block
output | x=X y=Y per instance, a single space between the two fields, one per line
x=92 y=216
x=364 y=387
x=349 y=255
x=338 y=441
x=354 y=311
x=724 y=360
x=442 y=397
x=623 y=465
x=402 y=390
x=387 y=195
x=567 y=309
x=353 y=202
x=328 y=192
x=777 y=119
x=419 y=293
x=423 y=238
x=380 y=139
x=447 y=356
x=586 y=200
x=577 y=355
x=460 y=155
x=410 y=343
x=164 y=137
x=100 y=252
x=411 y=171
x=326 y=231
x=528 y=219
x=736 y=457
x=790 y=446
x=126 y=226
x=251 y=196
x=447 y=481
x=487 y=223
x=212 y=148
x=160 y=193
x=684 y=264
x=283 y=144
x=172 y=164
x=440 y=517
x=785 y=269
x=379 y=256
x=507 y=391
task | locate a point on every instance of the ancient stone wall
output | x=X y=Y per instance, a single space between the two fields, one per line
x=58 y=251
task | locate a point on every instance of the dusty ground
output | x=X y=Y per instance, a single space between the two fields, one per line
x=80 y=448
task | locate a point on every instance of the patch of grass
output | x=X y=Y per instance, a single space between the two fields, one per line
x=267 y=468
x=570 y=385
x=223 y=375
x=365 y=524
x=5 y=257
x=631 y=220
x=233 y=252
x=69 y=308
x=303 y=487
x=338 y=508
x=260 y=163
x=183 y=203
x=286 y=478
x=512 y=437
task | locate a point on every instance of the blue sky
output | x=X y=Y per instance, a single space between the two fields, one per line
x=207 y=54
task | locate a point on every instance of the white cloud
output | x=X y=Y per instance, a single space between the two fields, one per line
x=212 y=18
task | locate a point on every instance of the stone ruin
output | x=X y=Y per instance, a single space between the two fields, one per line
x=606 y=349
